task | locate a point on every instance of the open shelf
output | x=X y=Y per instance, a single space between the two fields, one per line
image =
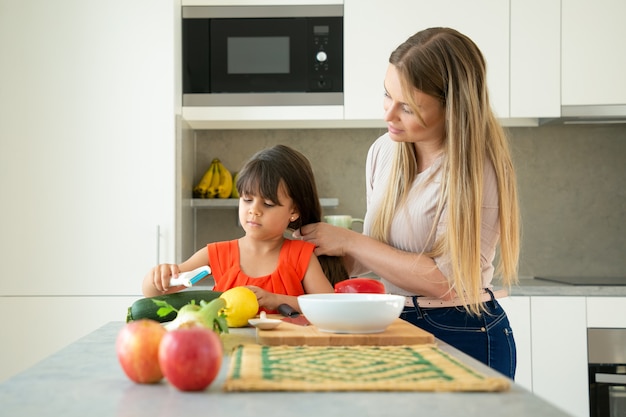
x=233 y=203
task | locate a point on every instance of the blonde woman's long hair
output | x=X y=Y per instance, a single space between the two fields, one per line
x=446 y=64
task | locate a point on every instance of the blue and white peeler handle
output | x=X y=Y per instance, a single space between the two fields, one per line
x=191 y=277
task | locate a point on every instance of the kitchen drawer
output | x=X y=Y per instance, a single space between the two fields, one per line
x=606 y=312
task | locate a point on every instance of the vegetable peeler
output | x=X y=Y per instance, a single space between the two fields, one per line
x=191 y=277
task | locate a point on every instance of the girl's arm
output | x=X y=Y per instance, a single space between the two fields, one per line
x=314 y=282
x=157 y=280
x=271 y=301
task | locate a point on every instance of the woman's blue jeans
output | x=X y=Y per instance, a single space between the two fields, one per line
x=487 y=338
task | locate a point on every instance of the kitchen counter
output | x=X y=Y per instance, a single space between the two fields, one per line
x=529 y=286
x=85 y=378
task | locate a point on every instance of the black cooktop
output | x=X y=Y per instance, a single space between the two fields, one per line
x=606 y=281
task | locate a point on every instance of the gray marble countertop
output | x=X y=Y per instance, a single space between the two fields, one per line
x=85 y=379
x=529 y=286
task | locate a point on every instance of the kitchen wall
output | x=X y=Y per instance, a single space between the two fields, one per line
x=571 y=183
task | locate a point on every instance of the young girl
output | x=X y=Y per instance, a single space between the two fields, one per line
x=277 y=191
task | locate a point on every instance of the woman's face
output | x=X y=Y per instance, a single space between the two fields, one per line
x=403 y=124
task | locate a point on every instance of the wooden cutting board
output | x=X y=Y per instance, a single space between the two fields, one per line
x=398 y=333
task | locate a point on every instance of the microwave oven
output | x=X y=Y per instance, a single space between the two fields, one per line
x=262 y=55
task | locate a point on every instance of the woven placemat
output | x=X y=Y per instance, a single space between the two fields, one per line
x=353 y=368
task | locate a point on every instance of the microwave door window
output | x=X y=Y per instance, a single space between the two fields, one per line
x=258 y=55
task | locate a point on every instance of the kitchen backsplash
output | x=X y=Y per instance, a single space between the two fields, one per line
x=571 y=184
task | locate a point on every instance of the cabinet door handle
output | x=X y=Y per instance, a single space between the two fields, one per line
x=158 y=244
x=611 y=378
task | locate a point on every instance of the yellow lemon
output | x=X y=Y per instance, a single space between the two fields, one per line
x=241 y=305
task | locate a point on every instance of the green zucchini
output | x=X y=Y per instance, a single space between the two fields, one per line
x=145 y=308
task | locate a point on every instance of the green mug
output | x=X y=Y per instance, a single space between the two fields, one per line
x=342 y=220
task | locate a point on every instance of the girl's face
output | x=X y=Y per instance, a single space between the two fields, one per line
x=264 y=219
x=403 y=124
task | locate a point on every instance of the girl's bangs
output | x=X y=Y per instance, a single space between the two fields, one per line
x=256 y=180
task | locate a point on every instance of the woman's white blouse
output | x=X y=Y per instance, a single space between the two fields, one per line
x=412 y=225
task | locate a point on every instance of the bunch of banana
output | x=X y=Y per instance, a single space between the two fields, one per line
x=235 y=193
x=217 y=182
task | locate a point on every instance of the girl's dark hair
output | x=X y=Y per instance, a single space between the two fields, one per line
x=263 y=174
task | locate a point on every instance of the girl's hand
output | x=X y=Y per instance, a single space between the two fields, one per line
x=157 y=280
x=265 y=298
x=161 y=274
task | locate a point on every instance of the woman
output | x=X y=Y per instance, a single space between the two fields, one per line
x=277 y=191
x=441 y=195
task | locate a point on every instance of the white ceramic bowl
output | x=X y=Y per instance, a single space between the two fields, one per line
x=351 y=312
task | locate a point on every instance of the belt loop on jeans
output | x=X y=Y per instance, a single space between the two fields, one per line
x=493 y=297
x=418 y=310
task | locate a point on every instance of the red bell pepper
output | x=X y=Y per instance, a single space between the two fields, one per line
x=362 y=285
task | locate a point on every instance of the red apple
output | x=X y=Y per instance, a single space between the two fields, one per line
x=191 y=357
x=137 y=347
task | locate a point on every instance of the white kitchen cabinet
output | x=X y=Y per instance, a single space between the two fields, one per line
x=535 y=59
x=606 y=312
x=559 y=352
x=87 y=144
x=520 y=40
x=551 y=338
x=264 y=117
x=518 y=311
x=89 y=99
x=38 y=326
x=373 y=29
x=593 y=58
